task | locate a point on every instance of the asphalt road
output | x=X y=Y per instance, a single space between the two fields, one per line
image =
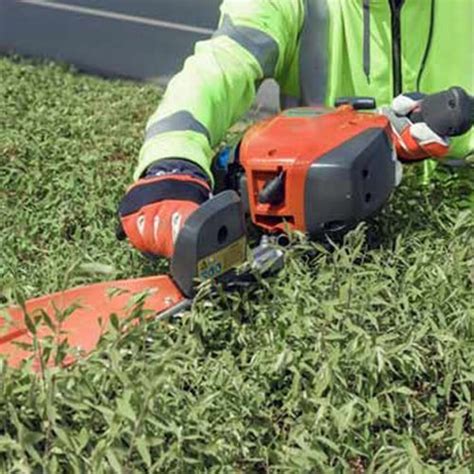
x=140 y=39
x=136 y=39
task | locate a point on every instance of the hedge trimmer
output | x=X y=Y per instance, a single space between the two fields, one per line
x=314 y=170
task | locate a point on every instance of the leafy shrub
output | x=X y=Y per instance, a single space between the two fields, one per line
x=358 y=360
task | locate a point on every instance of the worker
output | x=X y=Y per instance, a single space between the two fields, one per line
x=317 y=50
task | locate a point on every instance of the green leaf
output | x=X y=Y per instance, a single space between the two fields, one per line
x=328 y=443
x=113 y=461
x=98 y=268
x=458 y=425
x=114 y=321
x=83 y=438
x=142 y=447
x=30 y=325
x=125 y=410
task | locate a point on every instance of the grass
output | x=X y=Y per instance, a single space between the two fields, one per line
x=356 y=360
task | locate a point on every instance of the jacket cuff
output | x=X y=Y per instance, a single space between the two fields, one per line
x=188 y=146
x=176 y=167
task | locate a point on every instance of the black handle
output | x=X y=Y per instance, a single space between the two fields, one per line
x=449 y=113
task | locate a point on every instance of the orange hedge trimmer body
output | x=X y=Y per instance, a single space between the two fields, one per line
x=317 y=170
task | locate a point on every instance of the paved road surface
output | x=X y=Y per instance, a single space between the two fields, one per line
x=140 y=39
x=137 y=39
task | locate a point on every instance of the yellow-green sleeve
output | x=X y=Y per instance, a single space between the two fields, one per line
x=256 y=39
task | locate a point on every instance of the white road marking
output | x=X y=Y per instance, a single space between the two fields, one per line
x=118 y=16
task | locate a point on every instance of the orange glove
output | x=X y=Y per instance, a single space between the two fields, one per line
x=413 y=141
x=155 y=208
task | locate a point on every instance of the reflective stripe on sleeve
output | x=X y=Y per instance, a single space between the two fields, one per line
x=258 y=43
x=177 y=122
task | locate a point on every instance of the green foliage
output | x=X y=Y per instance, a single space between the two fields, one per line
x=355 y=360
x=68 y=144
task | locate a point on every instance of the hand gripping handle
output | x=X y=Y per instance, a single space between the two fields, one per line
x=449 y=113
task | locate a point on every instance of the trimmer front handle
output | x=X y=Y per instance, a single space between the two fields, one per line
x=449 y=113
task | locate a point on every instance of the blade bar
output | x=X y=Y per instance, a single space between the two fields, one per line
x=91 y=307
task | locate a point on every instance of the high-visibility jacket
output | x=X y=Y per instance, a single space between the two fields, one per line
x=317 y=50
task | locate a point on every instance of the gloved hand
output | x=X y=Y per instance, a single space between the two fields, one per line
x=413 y=141
x=155 y=208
